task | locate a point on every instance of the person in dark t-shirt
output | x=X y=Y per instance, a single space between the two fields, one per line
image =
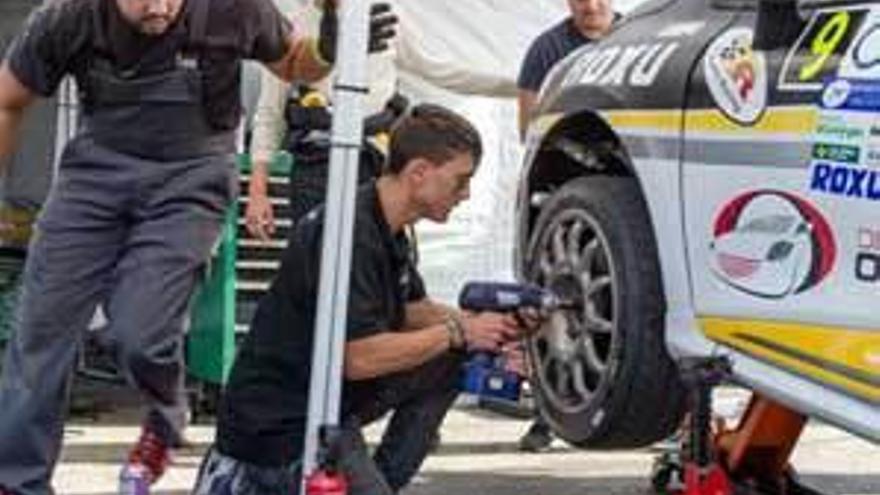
x=139 y=200
x=403 y=351
x=589 y=20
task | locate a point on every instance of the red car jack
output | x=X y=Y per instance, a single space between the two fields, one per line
x=703 y=474
x=751 y=459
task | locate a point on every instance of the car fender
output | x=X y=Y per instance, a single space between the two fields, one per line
x=593 y=112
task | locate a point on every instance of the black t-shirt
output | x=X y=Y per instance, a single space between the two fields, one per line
x=262 y=416
x=63 y=36
x=547 y=49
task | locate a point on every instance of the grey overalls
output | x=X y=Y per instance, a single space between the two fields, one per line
x=136 y=208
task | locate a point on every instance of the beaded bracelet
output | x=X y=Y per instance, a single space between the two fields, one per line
x=456 y=332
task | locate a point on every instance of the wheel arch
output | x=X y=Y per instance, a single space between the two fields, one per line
x=576 y=145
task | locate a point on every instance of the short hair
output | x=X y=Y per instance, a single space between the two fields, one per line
x=434 y=133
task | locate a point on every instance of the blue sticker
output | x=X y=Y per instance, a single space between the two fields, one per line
x=852 y=94
x=846 y=181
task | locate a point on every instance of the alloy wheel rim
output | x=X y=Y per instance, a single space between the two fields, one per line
x=573 y=351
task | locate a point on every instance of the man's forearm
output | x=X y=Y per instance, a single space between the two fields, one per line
x=10 y=121
x=426 y=312
x=14 y=99
x=390 y=352
x=259 y=178
x=301 y=63
x=269 y=120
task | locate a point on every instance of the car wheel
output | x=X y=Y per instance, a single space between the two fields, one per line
x=601 y=373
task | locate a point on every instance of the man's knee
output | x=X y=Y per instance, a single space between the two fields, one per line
x=443 y=373
x=435 y=385
x=151 y=362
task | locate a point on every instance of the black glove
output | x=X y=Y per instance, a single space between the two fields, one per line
x=382 y=22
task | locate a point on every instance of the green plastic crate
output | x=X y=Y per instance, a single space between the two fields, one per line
x=211 y=339
x=16 y=225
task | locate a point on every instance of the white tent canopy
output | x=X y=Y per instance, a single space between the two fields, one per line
x=472 y=47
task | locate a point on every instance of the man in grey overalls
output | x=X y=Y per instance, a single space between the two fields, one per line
x=138 y=201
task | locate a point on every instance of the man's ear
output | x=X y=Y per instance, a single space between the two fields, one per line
x=418 y=169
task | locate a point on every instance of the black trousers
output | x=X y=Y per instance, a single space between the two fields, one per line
x=419 y=399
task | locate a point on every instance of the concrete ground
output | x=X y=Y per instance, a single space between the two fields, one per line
x=478 y=456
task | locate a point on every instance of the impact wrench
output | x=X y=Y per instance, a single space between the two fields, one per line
x=485 y=373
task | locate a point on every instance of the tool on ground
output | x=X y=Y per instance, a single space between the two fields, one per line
x=485 y=373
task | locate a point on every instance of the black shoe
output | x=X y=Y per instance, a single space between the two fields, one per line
x=537 y=439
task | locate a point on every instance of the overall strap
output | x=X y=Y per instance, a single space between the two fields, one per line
x=198 y=22
x=100 y=42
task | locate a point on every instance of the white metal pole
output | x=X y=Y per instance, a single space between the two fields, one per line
x=350 y=88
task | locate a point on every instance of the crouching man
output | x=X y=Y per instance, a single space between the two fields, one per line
x=403 y=351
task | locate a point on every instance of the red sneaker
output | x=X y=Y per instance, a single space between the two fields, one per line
x=151 y=455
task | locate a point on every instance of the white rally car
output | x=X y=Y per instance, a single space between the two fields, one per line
x=707 y=181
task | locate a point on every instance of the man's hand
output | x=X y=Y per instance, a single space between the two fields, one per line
x=530 y=320
x=382 y=22
x=515 y=358
x=489 y=331
x=259 y=219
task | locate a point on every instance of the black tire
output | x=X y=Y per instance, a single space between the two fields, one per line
x=602 y=375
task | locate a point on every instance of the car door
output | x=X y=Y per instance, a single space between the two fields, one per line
x=781 y=179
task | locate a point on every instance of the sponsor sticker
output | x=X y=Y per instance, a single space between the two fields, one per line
x=840 y=129
x=629 y=65
x=866 y=53
x=872 y=146
x=822 y=51
x=771 y=244
x=867 y=261
x=681 y=29
x=863 y=59
x=737 y=76
x=836 y=153
x=845 y=134
x=845 y=181
x=836 y=94
x=872 y=157
x=851 y=94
